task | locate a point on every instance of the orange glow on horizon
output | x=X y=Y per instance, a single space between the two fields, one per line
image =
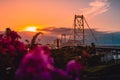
x=31 y=29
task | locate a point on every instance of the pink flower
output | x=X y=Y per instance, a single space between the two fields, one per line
x=11 y=49
x=13 y=35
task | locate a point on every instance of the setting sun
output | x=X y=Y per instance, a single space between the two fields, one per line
x=32 y=29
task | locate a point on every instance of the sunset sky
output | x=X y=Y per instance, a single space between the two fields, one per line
x=55 y=17
x=101 y=15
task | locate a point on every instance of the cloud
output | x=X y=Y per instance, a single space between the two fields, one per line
x=97 y=7
x=53 y=30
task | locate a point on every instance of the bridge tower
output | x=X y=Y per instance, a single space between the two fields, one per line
x=79 y=29
x=63 y=38
x=79 y=33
